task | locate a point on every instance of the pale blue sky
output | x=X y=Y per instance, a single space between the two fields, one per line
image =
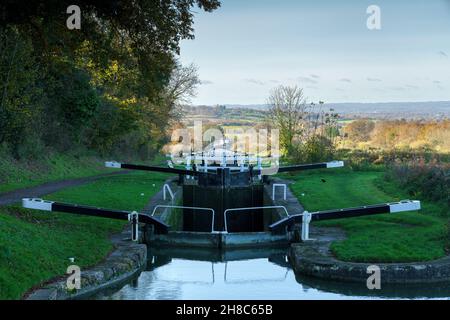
x=247 y=47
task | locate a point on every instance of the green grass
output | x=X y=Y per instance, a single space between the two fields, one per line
x=35 y=245
x=16 y=174
x=400 y=237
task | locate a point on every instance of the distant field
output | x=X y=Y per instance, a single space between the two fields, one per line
x=430 y=110
x=224 y=116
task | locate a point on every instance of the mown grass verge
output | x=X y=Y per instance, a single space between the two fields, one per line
x=400 y=237
x=35 y=245
x=16 y=174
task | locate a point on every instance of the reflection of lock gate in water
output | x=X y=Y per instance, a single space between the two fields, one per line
x=155 y=284
x=280 y=279
x=279 y=260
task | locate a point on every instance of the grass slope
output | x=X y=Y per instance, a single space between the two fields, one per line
x=400 y=237
x=16 y=174
x=35 y=246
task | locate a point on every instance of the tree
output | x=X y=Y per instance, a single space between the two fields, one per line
x=182 y=87
x=71 y=106
x=288 y=110
x=360 y=130
x=20 y=100
x=146 y=32
x=119 y=70
x=307 y=132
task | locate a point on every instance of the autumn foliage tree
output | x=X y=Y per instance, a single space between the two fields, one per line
x=115 y=82
x=398 y=134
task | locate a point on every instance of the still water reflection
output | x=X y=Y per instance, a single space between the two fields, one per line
x=245 y=274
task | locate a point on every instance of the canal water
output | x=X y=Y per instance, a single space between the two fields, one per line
x=245 y=274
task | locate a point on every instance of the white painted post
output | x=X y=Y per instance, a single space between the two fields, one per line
x=306 y=219
x=278 y=185
x=259 y=167
x=224 y=159
x=134 y=218
x=188 y=165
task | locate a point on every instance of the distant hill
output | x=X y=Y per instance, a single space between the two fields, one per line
x=395 y=110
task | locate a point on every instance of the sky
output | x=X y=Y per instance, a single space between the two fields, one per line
x=246 y=48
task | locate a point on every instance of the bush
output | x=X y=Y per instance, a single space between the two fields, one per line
x=72 y=104
x=371 y=158
x=21 y=96
x=360 y=160
x=430 y=181
x=30 y=149
x=316 y=149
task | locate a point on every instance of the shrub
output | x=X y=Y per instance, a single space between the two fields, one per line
x=430 y=181
x=369 y=158
x=316 y=149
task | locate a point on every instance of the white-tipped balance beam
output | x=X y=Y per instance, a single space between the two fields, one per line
x=38 y=204
x=335 y=164
x=404 y=205
x=113 y=164
x=383 y=208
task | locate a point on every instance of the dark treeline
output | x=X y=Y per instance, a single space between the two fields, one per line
x=111 y=87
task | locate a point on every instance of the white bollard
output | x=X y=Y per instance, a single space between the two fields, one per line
x=306 y=219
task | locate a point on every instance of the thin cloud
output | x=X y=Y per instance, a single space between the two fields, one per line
x=410 y=86
x=345 y=80
x=255 y=81
x=374 y=80
x=206 y=82
x=437 y=82
x=315 y=76
x=306 y=80
x=443 y=54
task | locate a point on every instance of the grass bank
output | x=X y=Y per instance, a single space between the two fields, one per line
x=35 y=246
x=15 y=174
x=400 y=237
